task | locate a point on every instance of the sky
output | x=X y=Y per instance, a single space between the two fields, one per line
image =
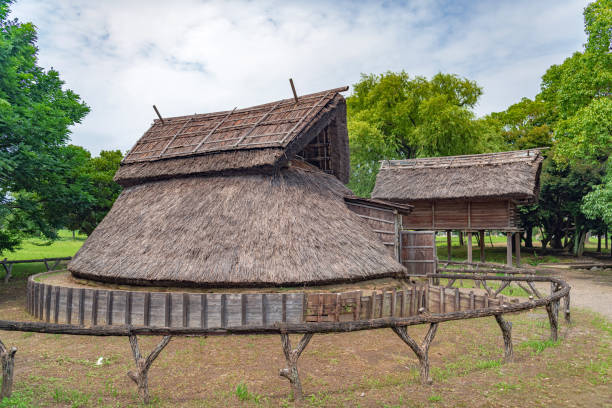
x=188 y=56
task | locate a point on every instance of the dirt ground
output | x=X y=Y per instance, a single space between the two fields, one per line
x=590 y=289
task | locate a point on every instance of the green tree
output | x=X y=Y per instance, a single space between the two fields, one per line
x=395 y=116
x=104 y=190
x=35 y=116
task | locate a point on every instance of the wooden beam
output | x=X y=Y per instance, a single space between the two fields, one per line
x=158 y=114
x=293 y=90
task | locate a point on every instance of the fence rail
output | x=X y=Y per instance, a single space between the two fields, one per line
x=8 y=265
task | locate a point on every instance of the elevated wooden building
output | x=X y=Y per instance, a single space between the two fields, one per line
x=470 y=193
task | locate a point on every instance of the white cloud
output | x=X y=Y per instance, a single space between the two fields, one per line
x=193 y=56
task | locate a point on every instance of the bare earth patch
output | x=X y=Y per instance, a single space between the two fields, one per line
x=367 y=369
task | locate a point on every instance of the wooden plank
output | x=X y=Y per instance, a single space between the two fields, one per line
x=403 y=304
x=457 y=300
x=243 y=309
x=56 y=305
x=109 y=307
x=223 y=311
x=472 y=300
x=449 y=242
x=36 y=300
x=185 y=310
x=69 y=306
x=81 y=307
x=337 y=308
x=203 y=311
x=168 y=310
x=372 y=304
x=173 y=139
x=146 y=309
x=469 y=247
x=393 y=302
x=442 y=301
x=358 y=306
x=261 y=119
x=128 y=308
x=94 y=307
x=264 y=311
x=517 y=243
x=284 y=307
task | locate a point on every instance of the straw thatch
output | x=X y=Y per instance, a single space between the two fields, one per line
x=263 y=137
x=291 y=227
x=507 y=175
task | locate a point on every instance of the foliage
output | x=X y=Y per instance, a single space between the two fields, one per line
x=395 y=116
x=36 y=181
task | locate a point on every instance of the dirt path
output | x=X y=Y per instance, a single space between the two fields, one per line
x=590 y=289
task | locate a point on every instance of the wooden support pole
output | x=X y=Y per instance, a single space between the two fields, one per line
x=482 y=245
x=291 y=371
x=509 y=248
x=158 y=114
x=449 y=240
x=141 y=377
x=552 y=310
x=566 y=308
x=469 y=247
x=506 y=328
x=517 y=243
x=7 y=359
x=422 y=351
x=293 y=90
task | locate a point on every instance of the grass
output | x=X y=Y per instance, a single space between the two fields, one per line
x=36 y=248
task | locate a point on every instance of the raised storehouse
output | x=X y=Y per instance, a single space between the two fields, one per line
x=468 y=193
x=247 y=197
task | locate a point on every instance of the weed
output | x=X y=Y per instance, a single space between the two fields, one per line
x=243 y=394
x=74 y=398
x=27 y=335
x=538 y=346
x=19 y=399
x=486 y=364
x=434 y=398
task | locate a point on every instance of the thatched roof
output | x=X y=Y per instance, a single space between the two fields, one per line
x=291 y=227
x=506 y=175
x=263 y=137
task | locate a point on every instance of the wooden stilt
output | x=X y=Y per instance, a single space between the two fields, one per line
x=141 y=377
x=469 y=247
x=506 y=328
x=7 y=359
x=517 y=243
x=509 y=248
x=291 y=371
x=422 y=351
x=482 y=245
x=566 y=308
x=449 y=244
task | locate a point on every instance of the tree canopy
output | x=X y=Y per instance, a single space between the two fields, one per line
x=395 y=116
x=37 y=183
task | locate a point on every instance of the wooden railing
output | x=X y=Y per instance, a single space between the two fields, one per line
x=8 y=265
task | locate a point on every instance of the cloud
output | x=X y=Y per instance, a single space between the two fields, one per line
x=202 y=56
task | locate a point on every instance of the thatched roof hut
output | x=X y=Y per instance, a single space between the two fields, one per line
x=249 y=197
x=506 y=175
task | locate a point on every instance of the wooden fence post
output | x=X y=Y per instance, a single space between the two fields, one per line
x=7 y=358
x=291 y=371
x=422 y=351
x=141 y=377
x=506 y=328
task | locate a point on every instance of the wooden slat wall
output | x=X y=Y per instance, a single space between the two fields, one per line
x=382 y=221
x=462 y=215
x=418 y=252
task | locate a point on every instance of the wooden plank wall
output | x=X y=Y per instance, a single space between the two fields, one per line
x=380 y=220
x=462 y=215
x=109 y=307
x=418 y=252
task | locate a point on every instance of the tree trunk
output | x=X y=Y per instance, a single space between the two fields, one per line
x=141 y=377
x=73 y=235
x=460 y=238
x=528 y=237
x=7 y=359
x=599 y=243
x=422 y=351
x=579 y=239
x=506 y=328
x=291 y=371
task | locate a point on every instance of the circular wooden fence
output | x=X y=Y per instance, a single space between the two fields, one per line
x=108 y=312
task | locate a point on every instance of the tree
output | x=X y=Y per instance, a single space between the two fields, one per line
x=104 y=190
x=35 y=116
x=394 y=116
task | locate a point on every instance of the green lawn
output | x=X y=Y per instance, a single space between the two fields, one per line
x=37 y=249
